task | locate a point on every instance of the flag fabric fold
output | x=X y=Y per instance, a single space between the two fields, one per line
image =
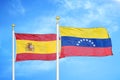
x=85 y=42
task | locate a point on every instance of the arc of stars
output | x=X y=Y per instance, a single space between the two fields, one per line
x=87 y=40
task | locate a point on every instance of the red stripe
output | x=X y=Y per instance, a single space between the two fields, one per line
x=35 y=37
x=33 y=56
x=66 y=51
x=85 y=51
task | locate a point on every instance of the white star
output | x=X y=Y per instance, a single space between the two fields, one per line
x=83 y=39
x=78 y=41
x=94 y=45
x=86 y=39
x=77 y=44
x=89 y=40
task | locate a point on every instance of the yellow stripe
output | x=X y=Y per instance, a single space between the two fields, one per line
x=39 y=47
x=84 y=32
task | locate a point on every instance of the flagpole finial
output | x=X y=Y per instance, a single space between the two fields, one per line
x=57 y=17
x=13 y=25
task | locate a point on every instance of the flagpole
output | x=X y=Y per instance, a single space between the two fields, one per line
x=13 y=54
x=57 y=48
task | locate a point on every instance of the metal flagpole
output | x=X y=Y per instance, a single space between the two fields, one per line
x=13 y=54
x=57 y=48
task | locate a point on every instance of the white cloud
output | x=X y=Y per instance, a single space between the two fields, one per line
x=29 y=68
x=86 y=13
x=33 y=67
x=16 y=7
x=88 y=5
x=45 y=24
x=40 y=25
x=74 y=4
x=79 y=13
x=117 y=0
x=113 y=28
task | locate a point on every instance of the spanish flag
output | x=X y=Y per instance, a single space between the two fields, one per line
x=35 y=46
x=85 y=41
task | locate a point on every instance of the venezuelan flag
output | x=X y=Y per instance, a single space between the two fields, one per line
x=35 y=46
x=85 y=42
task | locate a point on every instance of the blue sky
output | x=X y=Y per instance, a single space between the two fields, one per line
x=38 y=16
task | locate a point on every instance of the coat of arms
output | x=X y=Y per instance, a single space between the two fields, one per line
x=29 y=47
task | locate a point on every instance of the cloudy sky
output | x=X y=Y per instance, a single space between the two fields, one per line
x=38 y=16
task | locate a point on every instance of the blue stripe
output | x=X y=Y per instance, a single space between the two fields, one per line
x=85 y=42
